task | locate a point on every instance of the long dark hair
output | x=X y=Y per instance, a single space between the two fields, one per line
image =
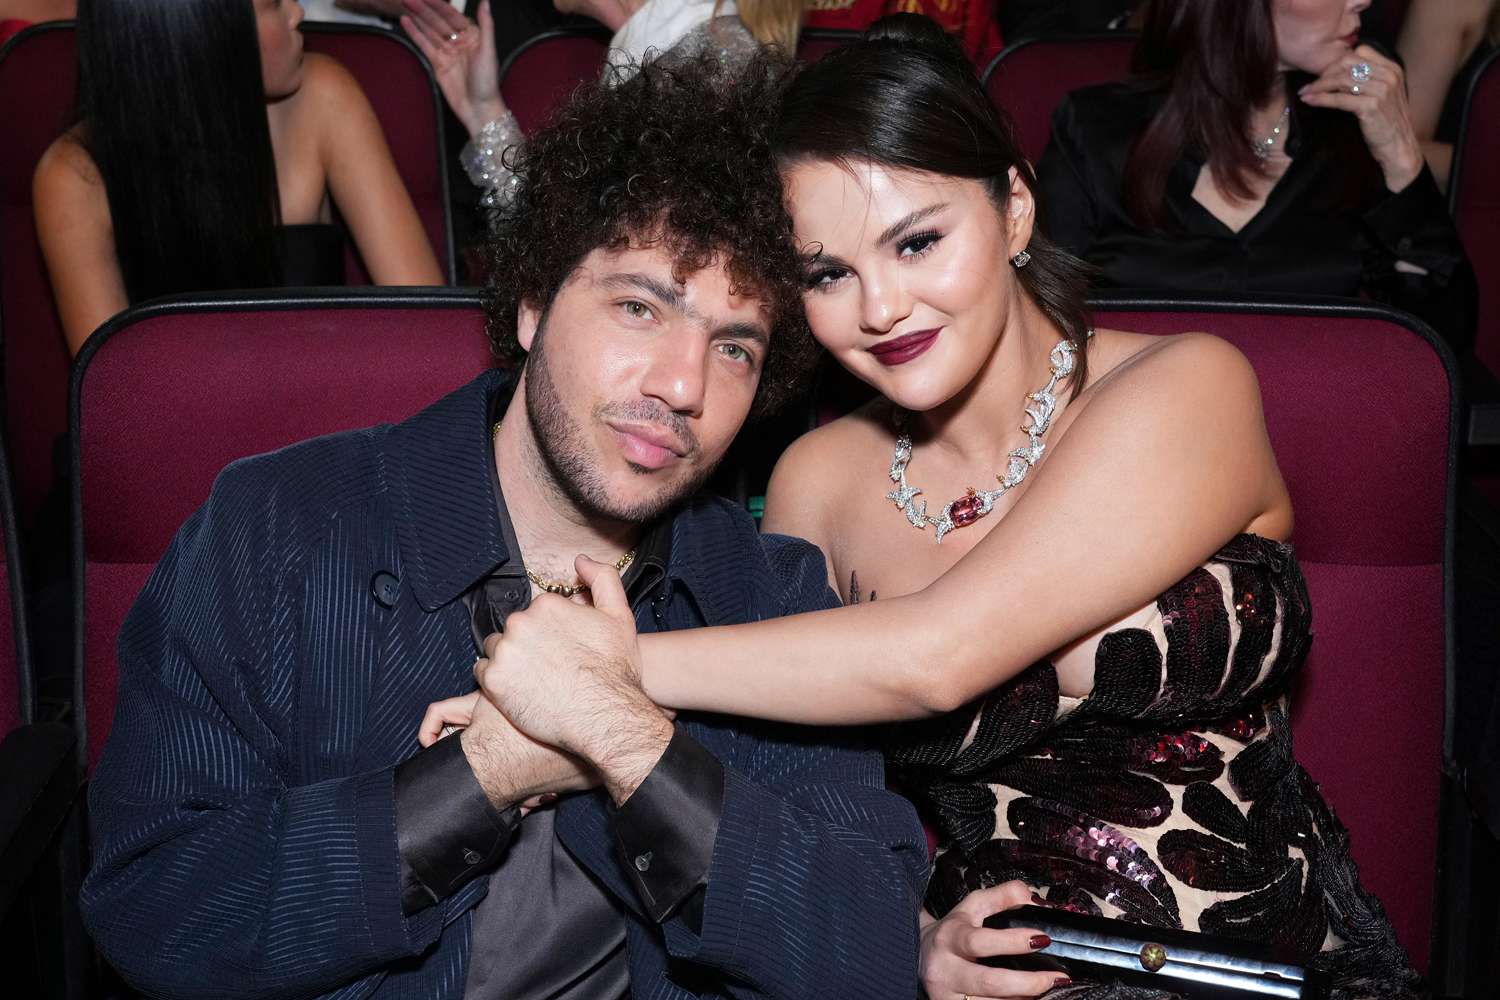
x=905 y=96
x=1215 y=62
x=173 y=112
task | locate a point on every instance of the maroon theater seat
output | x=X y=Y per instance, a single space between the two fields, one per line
x=1362 y=416
x=38 y=70
x=170 y=392
x=37 y=77
x=547 y=68
x=1475 y=196
x=815 y=43
x=398 y=81
x=1030 y=79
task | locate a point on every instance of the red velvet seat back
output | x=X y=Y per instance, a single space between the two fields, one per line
x=539 y=74
x=1476 y=202
x=398 y=82
x=1030 y=79
x=37 y=77
x=547 y=68
x=1360 y=413
x=174 y=392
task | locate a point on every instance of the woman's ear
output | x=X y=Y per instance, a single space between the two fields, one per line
x=528 y=318
x=1020 y=214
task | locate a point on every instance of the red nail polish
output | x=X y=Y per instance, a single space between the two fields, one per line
x=1061 y=983
x=1039 y=901
x=1039 y=941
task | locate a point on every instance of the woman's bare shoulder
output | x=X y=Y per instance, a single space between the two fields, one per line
x=1195 y=364
x=810 y=475
x=66 y=163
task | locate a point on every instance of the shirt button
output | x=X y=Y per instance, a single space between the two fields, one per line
x=643 y=862
x=385 y=588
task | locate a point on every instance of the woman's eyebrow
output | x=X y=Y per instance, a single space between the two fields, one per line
x=903 y=224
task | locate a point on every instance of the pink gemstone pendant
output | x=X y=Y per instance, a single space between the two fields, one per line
x=965 y=511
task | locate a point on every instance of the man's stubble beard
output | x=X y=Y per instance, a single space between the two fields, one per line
x=565 y=450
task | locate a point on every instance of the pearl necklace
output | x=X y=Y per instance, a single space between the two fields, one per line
x=974 y=504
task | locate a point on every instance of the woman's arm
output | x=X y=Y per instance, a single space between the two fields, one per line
x=1166 y=462
x=77 y=240
x=364 y=183
x=1436 y=39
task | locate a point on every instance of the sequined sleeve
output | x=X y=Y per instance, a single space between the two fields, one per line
x=484 y=160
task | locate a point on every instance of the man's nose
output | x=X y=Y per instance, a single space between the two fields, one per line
x=675 y=375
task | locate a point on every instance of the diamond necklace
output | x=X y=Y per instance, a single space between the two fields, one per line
x=974 y=504
x=1263 y=148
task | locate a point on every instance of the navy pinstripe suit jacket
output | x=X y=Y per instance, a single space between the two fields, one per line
x=243 y=813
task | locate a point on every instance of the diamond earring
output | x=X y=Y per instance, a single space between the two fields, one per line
x=1021 y=259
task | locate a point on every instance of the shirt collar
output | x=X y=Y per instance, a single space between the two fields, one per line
x=454 y=529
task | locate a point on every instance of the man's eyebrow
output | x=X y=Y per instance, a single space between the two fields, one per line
x=903 y=224
x=673 y=298
x=669 y=295
x=745 y=331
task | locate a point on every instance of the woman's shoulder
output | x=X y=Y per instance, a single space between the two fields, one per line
x=813 y=471
x=327 y=87
x=1121 y=355
x=66 y=168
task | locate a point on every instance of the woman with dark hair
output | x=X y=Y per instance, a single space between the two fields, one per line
x=1259 y=148
x=211 y=154
x=1092 y=663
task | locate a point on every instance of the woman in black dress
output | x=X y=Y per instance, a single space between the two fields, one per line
x=1259 y=148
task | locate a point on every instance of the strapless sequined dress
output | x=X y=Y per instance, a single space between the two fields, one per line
x=1169 y=795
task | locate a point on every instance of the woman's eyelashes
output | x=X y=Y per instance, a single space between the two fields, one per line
x=919 y=244
x=823 y=278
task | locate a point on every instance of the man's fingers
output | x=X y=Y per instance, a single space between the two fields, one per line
x=605 y=588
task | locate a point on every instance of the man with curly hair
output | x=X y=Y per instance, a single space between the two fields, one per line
x=265 y=824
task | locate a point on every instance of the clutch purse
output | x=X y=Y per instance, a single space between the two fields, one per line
x=1192 y=965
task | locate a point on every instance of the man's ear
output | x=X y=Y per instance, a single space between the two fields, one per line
x=528 y=318
x=1020 y=214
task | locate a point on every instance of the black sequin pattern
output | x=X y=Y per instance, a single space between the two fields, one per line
x=1169 y=795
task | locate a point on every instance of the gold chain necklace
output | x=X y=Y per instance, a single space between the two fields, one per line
x=570 y=589
x=565 y=589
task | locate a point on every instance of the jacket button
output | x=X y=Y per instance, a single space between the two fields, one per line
x=385 y=588
x=643 y=862
x=472 y=857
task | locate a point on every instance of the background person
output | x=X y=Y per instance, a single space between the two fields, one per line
x=1260 y=148
x=211 y=154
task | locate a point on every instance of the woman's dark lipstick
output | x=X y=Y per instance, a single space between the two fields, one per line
x=905 y=347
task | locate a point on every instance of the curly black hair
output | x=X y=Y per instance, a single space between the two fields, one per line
x=678 y=155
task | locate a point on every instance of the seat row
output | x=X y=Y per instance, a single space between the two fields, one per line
x=1028 y=80
x=1359 y=402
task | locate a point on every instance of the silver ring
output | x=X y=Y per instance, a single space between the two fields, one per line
x=1354 y=90
x=453 y=36
x=1360 y=72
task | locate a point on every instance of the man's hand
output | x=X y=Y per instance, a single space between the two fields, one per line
x=569 y=675
x=512 y=767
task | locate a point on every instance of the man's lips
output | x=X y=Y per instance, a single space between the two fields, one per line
x=648 y=445
x=905 y=347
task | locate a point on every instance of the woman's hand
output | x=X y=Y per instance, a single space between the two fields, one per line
x=951 y=947
x=456 y=712
x=462 y=56
x=1379 y=103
